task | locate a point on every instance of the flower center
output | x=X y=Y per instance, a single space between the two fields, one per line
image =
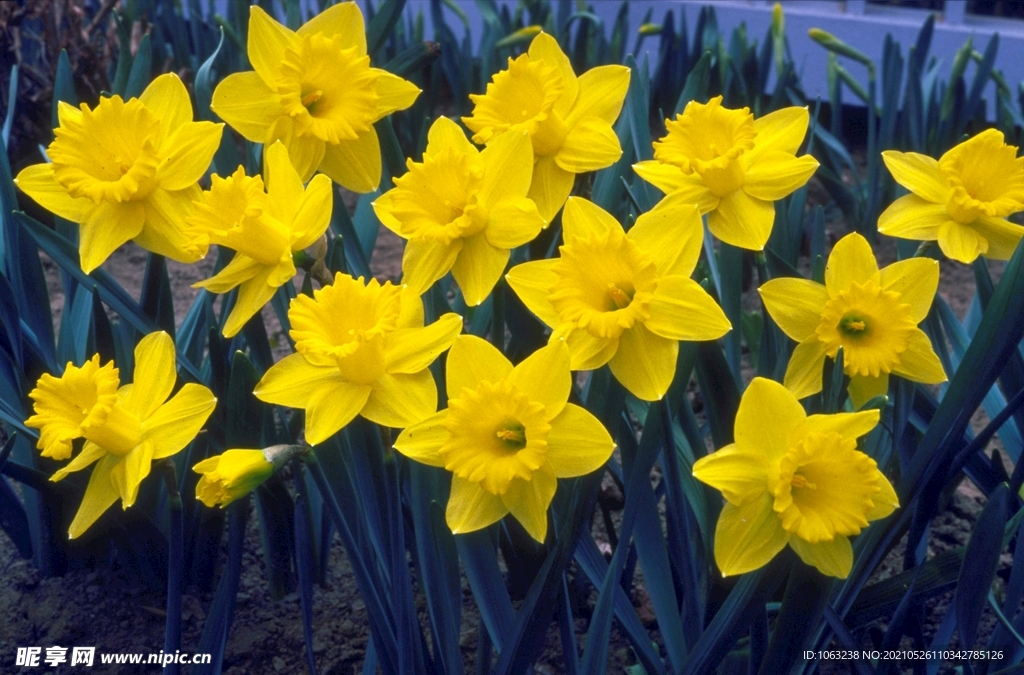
x=344 y=325
x=330 y=92
x=107 y=154
x=709 y=140
x=605 y=284
x=871 y=325
x=824 y=487
x=521 y=98
x=496 y=433
x=437 y=199
x=119 y=431
x=985 y=176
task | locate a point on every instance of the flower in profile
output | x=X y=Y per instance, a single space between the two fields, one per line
x=795 y=479
x=314 y=90
x=361 y=349
x=462 y=210
x=125 y=427
x=569 y=119
x=507 y=435
x=126 y=171
x=231 y=475
x=732 y=166
x=624 y=299
x=961 y=200
x=264 y=225
x=872 y=314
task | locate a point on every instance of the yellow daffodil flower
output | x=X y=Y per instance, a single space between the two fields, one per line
x=126 y=171
x=462 y=210
x=732 y=166
x=795 y=479
x=314 y=90
x=961 y=200
x=265 y=226
x=507 y=435
x=231 y=475
x=624 y=299
x=125 y=427
x=360 y=350
x=569 y=118
x=872 y=314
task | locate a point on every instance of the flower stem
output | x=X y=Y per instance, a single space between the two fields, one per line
x=172 y=631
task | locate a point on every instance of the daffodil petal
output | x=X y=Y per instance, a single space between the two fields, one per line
x=863 y=388
x=446 y=133
x=794 y=304
x=394 y=93
x=508 y=161
x=154 y=375
x=777 y=174
x=293 y=380
x=528 y=501
x=545 y=48
x=38 y=183
x=107 y=226
x=305 y=153
x=424 y=262
x=331 y=406
x=253 y=294
x=421 y=441
x=1002 y=236
x=550 y=186
x=176 y=423
x=920 y=363
x=670 y=179
x=742 y=220
x=128 y=474
x=472 y=360
x=831 y=558
x=313 y=215
x=602 y=91
x=410 y=312
x=266 y=44
x=401 y=400
x=645 y=363
x=410 y=350
x=672 y=234
x=89 y=454
x=533 y=282
x=345 y=20
x=240 y=269
x=916 y=280
x=589 y=146
x=247 y=104
x=740 y=474
x=578 y=443
x=100 y=494
x=167 y=97
x=192 y=148
x=747 y=537
x=885 y=499
x=355 y=165
x=961 y=242
x=682 y=310
x=803 y=374
x=848 y=425
x=165 y=230
x=782 y=130
x=478 y=267
x=282 y=182
x=586 y=351
x=544 y=377
x=851 y=261
x=918 y=173
x=583 y=218
x=911 y=217
x=513 y=222
x=767 y=415
x=471 y=508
